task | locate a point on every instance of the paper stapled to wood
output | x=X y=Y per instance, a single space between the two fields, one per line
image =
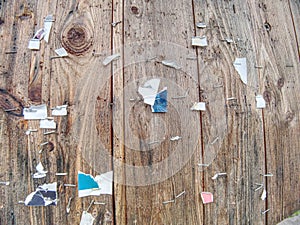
x=149 y=91
x=86 y=218
x=37 y=112
x=44 y=195
x=240 y=64
x=88 y=185
x=61 y=52
x=199 y=41
x=60 y=110
x=40 y=171
x=47 y=26
x=47 y=124
x=260 y=102
x=171 y=63
x=199 y=106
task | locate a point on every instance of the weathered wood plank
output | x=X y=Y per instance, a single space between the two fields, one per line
x=154 y=31
x=232 y=129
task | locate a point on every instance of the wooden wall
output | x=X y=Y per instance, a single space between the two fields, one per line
x=109 y=127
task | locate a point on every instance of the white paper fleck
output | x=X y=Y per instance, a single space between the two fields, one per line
x=217 y=175
x=86 y=218
x=47 y=26
x=171 y=63
x=37 y=112
x=34 y=44
x=199 y=106
x=110 y=58
x=176 y=138
x=240 y=64
x=260 y=102
x=40 y=34
x=264 y=195
x=61 y=52
x=47 y=124
x=201 y=25
x=40 y=171
x=199 y=41
x=60 y=110
x=228 y=40
x=149 y=91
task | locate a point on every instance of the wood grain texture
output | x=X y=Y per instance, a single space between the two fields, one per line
x=109 y=127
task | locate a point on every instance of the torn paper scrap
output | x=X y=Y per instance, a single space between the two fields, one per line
x=240 y=64
x=161 y=102
x=110 y=58
x=60 y=110
x=217 y=175
x=47 y=26
x=86 y=218
x=171 y=63
x=47 y=124
x=44 y=195
x=260 y=102
x=201 y=25
x=61 y=52
x=40 y=171
x=37 y=112
x=88 y=185
x=34 y=44
x=176 y=138
x=264 y=195
x=39 y=35
x=207 y=197
x=199 y=41
x=149 y=91
x=199 y=106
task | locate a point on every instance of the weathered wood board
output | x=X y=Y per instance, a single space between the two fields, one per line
x=108 y=127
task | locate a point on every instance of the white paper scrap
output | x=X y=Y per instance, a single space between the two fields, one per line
x=201 y=25
x=86 y=218
x=264 y=195
x=40 y=34
x=171 y=63
x=61 y=52
x=47 y=26
x=47 y=124
x=149 y=91
x=37 y=112
x=40 y=171
x=199 y=106
x=176 y=138
x=110 y=58
x=240 y=64
x=60 y=110
x=260 y=102
x=34 y=44
x=199 y=41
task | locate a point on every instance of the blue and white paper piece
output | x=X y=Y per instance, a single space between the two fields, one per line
x=88 y=185
x=161 y=101
x=149 y=91
x=43 y=196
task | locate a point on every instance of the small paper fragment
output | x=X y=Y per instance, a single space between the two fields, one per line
x=40 y=171
x=201 y=25
x=60 y=110
x=61 y=52
x=161 y=102
x=34 y=44
x=47 y=26
x=240 y=64
x=264 y=195
x=40 y=34
x=199 y=41
x=86 y=218
x=149 y=91
x=44 y=195
x=228 y=40
x=199 y=106
x=37 y=112
x=176 y=138
x=47 y=124
x=171 y=63
x=207 y=197
x=260 y=102
x=110 y=58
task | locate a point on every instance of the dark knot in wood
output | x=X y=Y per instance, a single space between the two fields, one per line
x=77 y=39
x=10 y=103
x=267 y=96
x=280 y=82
